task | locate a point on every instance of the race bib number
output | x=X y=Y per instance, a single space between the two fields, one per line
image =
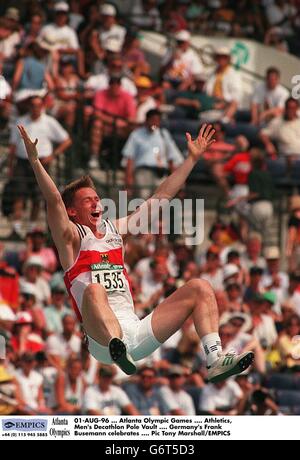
x=110 y=276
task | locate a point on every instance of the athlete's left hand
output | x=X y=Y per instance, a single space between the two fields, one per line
x=197 y=147
x=30 y=146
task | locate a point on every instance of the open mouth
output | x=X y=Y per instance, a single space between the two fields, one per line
x=95 y=214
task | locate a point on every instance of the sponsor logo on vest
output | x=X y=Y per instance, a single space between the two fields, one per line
x=227 y=360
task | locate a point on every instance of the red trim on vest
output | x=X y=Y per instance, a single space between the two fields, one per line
x=73 y=301
x=87 y=258
x=128 y=280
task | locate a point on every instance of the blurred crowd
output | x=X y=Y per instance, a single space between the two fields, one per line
x=77 y=68
x=47 y=368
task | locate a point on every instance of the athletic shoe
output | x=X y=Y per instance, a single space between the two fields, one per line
x=228 y=365
x=121 y=357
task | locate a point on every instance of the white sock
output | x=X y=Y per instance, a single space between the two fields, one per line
x=212 y=347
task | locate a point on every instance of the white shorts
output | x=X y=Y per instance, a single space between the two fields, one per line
x=138 y=337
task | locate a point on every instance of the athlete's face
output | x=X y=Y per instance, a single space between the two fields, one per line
x=87 y=208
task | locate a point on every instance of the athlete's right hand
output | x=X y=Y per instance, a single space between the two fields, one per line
x=31 y=149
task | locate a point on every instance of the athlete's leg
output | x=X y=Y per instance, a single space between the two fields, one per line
x=195 y=298
x=102 y=325
x=98 y=319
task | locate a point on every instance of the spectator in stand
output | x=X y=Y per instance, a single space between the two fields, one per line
x=28 y=303
x=292 y=300
x=275 y=37
x=176 y=401
x=36 y=246
x=181 y=64
x=61 y=38
x=281 y=13
x=49 y=374
x=263 y=403
x=264 y=329
x=237 y=168
x=234 y=257
x=285 y=131
x=109 y=27
x=60 y=347
x=90 y=22
x=288 y=346
x=252 y=257
x=225 y=85
x=9 y=282
x=134 y=58
x=212 y=270
x=31 y=71
x=221 y=398
x=274 y=278
x=114 y=115
x=270 y=307
x=268 y=99
x=32 y=29
x=69 y=388
x=152 y=283
x=9 y=393
x=5 y=100
x=67 y=96
x=57 y=309
x=149 y=154
x=145 y=99
x=10 y=39
x=144 y=394
x=32 y=270
x=31 y=387
x=49 y=132
x=194 y=102
x=145 y=15
x=106 y=398
x=175 y=18
x=235 y=299
x=24 y=340
x=293 y=237
x=75 y=17
x=261 y=192
x=7 y=319
x=100 y=81
x=187 y=352
x=254 y=287
x=162 y=250
x=89 y=39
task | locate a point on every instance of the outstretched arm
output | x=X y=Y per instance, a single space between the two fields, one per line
x=61 y=227
x=174 y=183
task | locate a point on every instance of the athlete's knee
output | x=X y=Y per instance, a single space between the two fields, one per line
x=201 y=288
x=93 y=290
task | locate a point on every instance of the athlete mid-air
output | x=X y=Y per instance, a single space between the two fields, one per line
x=91 y=254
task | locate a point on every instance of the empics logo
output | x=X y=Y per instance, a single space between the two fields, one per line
x=19 y=424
